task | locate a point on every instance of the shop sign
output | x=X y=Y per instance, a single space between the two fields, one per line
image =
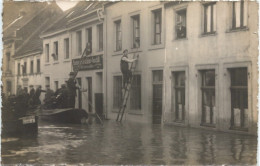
x=88 y=63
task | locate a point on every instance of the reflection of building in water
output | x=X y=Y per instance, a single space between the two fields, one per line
x=237 y=148
x=208 y=144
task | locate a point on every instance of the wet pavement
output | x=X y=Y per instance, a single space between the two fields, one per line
x=128 y=143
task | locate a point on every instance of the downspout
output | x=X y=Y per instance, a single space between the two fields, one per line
x=105 y=64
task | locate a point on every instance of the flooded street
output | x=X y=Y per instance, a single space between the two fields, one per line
x=128 y=143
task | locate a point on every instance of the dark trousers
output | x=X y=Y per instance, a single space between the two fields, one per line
x=127 y=75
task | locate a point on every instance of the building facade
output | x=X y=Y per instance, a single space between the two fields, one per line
x=197 y=63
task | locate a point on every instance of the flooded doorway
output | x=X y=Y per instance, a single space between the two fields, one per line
x=157 y=96
x=89 y=81
x=99 y=94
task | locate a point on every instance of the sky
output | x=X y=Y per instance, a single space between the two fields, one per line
x=65 y=5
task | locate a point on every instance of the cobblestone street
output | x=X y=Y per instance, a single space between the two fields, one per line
x=129 y=143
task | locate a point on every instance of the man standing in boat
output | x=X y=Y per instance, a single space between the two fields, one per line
x=71 y=84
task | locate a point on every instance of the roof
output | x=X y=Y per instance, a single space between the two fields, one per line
x=18 y=14
x=82 y=8
x=29 y=33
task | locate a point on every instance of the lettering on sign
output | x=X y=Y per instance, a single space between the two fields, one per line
x=88 y=63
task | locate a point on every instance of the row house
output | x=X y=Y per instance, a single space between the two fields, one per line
x=14 y=35
x=197 y=63
x=80 y=29
x=28 y=57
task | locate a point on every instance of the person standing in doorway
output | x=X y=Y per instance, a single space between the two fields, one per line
x=127 y=74
x=71 y=84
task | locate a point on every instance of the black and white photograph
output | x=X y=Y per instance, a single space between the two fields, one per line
x=129 y=82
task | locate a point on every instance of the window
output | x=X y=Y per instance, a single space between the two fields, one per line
x=118 y=35
x=89 y=41
x=135 y=93
x=210 y=18
x=47 y=81
x=239 y=14
x=239 y=98
x=136 y=31
x=24 y=67
x=117 y=93
x=79 y=43
x=100 y=37
x=66 y=48
x=181 y=24
x=208 y=97
x=179 y=96
x=38 y=65
x=9 y=87
x=47 y=53
x=56 y=50
x=31 y=71
x=8 y=58
x=56 y=84
x=157 y=34
x=19 y=69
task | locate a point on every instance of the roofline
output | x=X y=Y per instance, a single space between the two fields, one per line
x=86 y=22
x=83 y=15
x=50 y=34
x=28 y=54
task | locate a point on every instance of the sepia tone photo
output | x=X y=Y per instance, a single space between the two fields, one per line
x=129 y=83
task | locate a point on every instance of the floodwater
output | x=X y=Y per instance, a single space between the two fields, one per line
x=128 y=143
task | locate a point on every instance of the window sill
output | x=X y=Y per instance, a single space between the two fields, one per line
x=155 y=47
x=239 y=129
x=55 y=62
x=47 y=64
x=135 y=112
x=180 y=39
x=179 y=121
x=66 y=60
x=208 y=34
x=117 y=53
x=238 y=29
x=208 y=125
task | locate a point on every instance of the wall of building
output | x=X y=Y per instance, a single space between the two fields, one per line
x=151 y=57
x=57 y=70
x=225 y=49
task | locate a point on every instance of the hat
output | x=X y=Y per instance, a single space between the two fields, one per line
x=71 y=73
x=125 y=50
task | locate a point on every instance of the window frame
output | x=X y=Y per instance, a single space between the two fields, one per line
x=117 y=91
x=89 y=39
x=56 y=50
x=134 y=18
x=66 y=48
x=100 y=42
x=176 y=21
x=47 y=53
x=135 y=90
x=78 y=43
x=118 y=41
x=243 y=12
x=154 y=12
x=38 y=65
x=31 y=67
x=212 y=23
x=18 y=68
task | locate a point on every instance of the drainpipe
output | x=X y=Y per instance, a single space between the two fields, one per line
x=105 y=65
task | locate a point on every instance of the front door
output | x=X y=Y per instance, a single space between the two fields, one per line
x=79 y=93
x=157 y=96
x=89 y=80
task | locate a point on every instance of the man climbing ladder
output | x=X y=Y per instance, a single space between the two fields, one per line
x=127 y=80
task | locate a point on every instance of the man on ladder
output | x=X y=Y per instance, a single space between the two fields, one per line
x=127 y=74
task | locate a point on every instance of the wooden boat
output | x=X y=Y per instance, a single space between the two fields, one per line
x=63 y=115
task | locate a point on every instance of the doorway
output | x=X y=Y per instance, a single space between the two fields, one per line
x=79 y=93
x=157 y=96
x=89 y=81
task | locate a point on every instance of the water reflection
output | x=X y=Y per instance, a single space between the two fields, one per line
x=128 y=143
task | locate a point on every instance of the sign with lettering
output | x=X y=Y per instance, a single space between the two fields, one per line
x=88 y=63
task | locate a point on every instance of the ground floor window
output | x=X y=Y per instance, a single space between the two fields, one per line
x=117 y=91
x=135 y=93
x=179 y=95
x=239 y=98
x=208 y=97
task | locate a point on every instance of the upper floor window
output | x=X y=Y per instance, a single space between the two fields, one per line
x=56 y=50
x=136 y=31
x=89 y=41
x=31 y=71
x=210 y=18
x=47 y=53
x=24 y=67
x=8 y=58
x=100 y=37
x=38 y=65
x=157 y=33
x=79 y=42
x=181 y=23
x=239 y=14
x=18 y=69
x=118 y=35
x=66 y=48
